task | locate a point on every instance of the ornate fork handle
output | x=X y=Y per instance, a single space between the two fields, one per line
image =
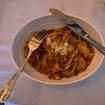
x=6 y=90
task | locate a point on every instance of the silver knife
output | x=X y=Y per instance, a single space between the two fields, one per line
x=76 y=28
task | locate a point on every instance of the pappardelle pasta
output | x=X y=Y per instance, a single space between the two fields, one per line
x=62 y=54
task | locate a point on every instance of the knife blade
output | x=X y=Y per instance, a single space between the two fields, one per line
x=76 y=28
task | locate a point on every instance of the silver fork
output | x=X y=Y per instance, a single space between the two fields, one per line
x=34 y=43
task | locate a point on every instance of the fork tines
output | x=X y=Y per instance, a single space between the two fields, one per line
x=41 y=34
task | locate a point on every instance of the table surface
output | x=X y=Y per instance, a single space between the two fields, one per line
x=16 y=13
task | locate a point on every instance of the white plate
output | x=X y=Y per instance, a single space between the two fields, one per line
x=48 y=22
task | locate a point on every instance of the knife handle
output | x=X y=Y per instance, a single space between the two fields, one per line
x=96 y=44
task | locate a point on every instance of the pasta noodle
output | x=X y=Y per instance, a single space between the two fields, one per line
x=62 y=54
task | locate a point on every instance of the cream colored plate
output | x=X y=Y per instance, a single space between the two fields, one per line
x=48 y=22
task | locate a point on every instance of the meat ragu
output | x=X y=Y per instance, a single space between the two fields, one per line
x=62 y=54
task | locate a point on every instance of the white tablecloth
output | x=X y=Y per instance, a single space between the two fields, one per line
x=13 y=15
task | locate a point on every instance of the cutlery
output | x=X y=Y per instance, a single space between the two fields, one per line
x=76 y=28
x=34 y=43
